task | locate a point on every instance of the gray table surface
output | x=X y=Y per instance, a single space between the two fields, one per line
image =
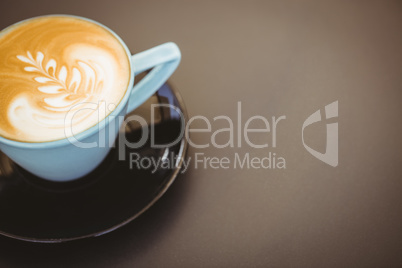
x=277 y=58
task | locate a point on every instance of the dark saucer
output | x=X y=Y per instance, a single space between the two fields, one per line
x=33 y=209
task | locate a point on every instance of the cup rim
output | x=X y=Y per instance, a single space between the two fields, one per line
x=101 y=124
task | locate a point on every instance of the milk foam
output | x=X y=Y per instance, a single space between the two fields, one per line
x=55 y=67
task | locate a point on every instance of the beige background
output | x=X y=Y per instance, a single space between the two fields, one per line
x=278 y=58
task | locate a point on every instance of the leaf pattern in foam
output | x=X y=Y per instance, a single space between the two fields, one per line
x=55 y=84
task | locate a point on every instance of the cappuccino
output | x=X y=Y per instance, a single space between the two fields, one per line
x=58 y=73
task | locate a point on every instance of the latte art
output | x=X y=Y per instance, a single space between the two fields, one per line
x=54 y=66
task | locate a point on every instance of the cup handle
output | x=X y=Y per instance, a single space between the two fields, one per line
x=164 y=60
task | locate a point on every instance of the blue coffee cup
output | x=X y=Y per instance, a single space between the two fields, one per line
x=76 y=156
